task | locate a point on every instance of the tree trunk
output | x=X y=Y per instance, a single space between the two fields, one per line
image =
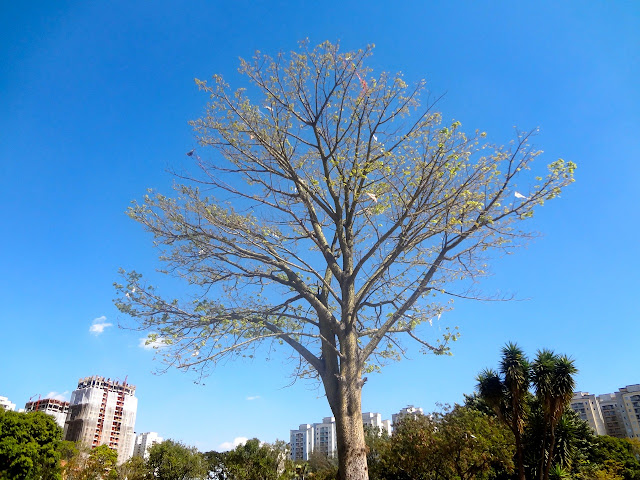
x=552 y=441
x=352 y=450
x=343 y=386
x=520 y=456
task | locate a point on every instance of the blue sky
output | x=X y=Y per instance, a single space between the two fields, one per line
x=95 y=102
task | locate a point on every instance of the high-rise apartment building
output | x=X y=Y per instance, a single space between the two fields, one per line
x=6 y=404
x=321 y=437
x=409 y=411
x=629 y=404
x=58 y=409
x=103 y=412
x=144 y=441
x=586 y=405
x=301 y=442
x=325 y=441
x=310 y=438
x=614 y=414
x=375 y=420
x=613 y=425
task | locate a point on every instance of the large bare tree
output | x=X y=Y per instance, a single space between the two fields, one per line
x=344 y=212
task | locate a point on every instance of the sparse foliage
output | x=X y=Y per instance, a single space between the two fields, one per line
x=337 y=216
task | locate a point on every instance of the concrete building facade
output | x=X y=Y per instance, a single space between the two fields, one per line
x=301 y=442
x=628 y=399
x=6 y=404
x=58 y=409
x=103 y=412
x=613 y=424
x=144 y=441
x=375 y=420
x=614 y=414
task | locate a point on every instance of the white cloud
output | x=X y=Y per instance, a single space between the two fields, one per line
x=223 y=447
x=148 y=344
x=255 y=397
x=64 y=396
x=98 y=325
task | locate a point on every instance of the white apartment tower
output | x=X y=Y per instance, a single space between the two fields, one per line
x=614 y=414
x=58 y=409
x=317 y=437
x=409 y=411
x=301 y=441
x=375 y=420
x=103 y=412
x=6 y=404
x=144 y=441
x=325 y=441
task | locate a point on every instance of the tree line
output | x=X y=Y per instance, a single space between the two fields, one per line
x=517 y=425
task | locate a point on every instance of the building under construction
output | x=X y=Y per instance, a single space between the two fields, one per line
x=58 y=409
x=103 y=412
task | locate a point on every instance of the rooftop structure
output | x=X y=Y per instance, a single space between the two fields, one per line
x=58 y=409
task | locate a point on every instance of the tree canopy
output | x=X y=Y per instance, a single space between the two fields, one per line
x=171 y=460
x=336 y=215
x=29 y=446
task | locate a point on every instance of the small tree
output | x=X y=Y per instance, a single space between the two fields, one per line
x=134 y=469
x=101 y=463
x=344 y=210
x=506 y=393
x=552 y=376
x=256 y=460
x=171 y=460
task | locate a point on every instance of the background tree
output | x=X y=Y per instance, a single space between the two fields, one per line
x=134 y=468
x=616 y=457
x=171 y=460
x=101 y=463
x=29 y=446
x=378 y=444
x=343 y=210
x=459 y=443
x=413 y=451
x=552 y=378
x=506 y=393
x=255 y=460
x=324 y=467
x=474 y=444
x=574 y=442
x=216 y=465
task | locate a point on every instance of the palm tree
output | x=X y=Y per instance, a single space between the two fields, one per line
x=552 y=377
x=507 y=395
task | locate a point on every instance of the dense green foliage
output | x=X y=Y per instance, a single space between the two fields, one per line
x=28 y=446
x=507 y=393
x=256 y=460
x=459 y=443
x=171 y=460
